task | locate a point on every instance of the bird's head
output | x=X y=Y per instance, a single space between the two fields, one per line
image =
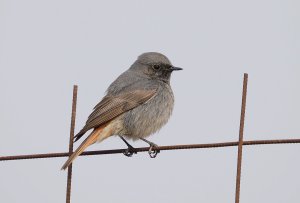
x=155 y=66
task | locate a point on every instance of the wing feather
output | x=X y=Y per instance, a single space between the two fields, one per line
x=112 y=106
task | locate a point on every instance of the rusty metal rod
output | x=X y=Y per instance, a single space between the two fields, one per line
x=145 y=149
x=240 y=145
x=72 y=128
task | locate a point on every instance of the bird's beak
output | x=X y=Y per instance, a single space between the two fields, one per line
x=175 y=68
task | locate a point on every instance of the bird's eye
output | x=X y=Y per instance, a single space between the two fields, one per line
x=156 y=67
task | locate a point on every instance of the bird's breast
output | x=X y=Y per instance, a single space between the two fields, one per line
x=149 y=117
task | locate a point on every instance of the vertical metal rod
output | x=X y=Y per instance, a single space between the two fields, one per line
x=241 y=134
x=69 y=180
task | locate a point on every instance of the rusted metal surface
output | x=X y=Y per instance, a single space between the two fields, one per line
x=72 y=128
x=146 y=149
x=240 y=145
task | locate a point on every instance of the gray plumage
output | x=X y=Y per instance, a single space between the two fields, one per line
x=137 y=104
x=153 y=106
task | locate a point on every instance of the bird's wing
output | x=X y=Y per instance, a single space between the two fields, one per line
x=112 y=106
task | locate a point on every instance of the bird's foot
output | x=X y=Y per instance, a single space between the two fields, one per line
x=152 y=151
x=130 y=151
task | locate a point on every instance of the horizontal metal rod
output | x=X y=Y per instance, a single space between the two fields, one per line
x=144 y=149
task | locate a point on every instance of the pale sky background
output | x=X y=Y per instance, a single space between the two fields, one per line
x=47 y=46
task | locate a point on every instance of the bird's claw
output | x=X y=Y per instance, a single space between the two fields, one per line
x=130 y=151
x=153 y=152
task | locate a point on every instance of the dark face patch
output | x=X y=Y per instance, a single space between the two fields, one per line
x=160 y=71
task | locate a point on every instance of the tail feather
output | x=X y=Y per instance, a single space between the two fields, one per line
x=79 y=135
x=95 y=136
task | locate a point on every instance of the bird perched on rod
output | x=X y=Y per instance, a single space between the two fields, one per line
x=137 y=104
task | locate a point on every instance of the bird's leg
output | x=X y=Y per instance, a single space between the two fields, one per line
x=130 y=150
x=152 y=152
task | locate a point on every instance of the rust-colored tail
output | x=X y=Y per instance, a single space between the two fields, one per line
x=96 y=135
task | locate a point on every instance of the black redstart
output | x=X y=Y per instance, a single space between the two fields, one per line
x=137 y=104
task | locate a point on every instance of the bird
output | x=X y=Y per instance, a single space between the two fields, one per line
x=136 y=105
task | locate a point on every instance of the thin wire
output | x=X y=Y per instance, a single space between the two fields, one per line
x=240 y=145
x=145 y=149
x=69 y=179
